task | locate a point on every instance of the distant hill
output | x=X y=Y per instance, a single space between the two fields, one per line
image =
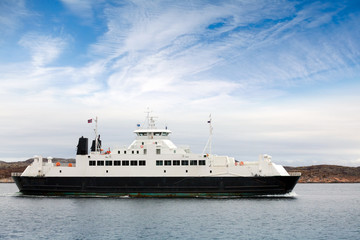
x=327 y=174
x=309 y=174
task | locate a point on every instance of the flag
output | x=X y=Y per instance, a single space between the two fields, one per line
x=90 y=121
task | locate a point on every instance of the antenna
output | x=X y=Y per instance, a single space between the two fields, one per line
x=208 y=144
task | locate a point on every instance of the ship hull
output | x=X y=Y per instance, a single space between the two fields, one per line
x=157 y=186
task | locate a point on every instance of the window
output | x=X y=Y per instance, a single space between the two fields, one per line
x=167 y=163
x=159 y=162
x=124 y=152
x=100 y=163
x=176 y=162
x=158 y=151
x=193 y=162
x=125 y=163
x=108 y=163
x=92 y=163
x=133 y=163
x=145 y=151
x=184 y=162
x=157 y=134
x=137 y=151
x=132 y=151
x=201 y=162
x=118 y=152
x=117 y=163
x=142 y=163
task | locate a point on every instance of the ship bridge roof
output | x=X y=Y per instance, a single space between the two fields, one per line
x=152 y=130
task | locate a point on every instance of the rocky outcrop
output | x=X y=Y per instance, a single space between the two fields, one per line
x=327 y=174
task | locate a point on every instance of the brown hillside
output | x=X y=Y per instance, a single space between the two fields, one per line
x=327 y=174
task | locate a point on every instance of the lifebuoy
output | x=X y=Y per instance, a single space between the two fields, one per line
x=57 y=164
x=142 y=146
x=241 y=163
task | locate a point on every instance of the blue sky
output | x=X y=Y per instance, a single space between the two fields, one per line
x=279 y=77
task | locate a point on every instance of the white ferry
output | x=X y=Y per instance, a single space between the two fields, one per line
x=153 y=166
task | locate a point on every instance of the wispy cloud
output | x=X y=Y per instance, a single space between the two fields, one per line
x=43 y=49
x=12 y=12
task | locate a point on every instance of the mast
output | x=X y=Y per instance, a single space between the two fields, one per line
x=208 y=144
x=96 y=135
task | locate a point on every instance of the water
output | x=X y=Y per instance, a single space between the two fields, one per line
x=319 y=211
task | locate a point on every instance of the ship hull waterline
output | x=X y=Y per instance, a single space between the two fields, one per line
x=157 y=186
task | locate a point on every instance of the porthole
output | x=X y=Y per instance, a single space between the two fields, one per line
x=164 y=171
x=210 y=171
x=59 y=171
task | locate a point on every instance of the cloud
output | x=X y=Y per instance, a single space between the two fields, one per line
x=12 y=12
x=44 y=49
x=82 y=8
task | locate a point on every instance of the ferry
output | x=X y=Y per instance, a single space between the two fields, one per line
x=153 y=166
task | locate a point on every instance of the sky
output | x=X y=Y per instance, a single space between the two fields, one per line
x=278 y=77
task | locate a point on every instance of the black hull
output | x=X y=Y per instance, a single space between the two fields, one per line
x=157 y=186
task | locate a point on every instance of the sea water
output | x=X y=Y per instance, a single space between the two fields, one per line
x=314 y=211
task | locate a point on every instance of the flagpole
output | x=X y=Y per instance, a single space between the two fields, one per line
x=96 y=135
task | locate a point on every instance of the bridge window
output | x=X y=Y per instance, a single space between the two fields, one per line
x=193 y=162
x=133 y=163
x=125 y=163
x=100 y=163
x=142 y=163
x=184 y=162
x=202 y=162
x=167 y=163
x=117 y=163
x=108 y=163
x=159 y=162
x=92 y=163
x=176 y=162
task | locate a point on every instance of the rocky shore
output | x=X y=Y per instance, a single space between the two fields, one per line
x=327 y=174
x=309 y=174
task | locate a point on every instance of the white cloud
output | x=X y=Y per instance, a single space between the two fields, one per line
x=82 y=8
x=44 y=49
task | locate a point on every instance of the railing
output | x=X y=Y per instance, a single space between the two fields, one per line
x=295 y=173
x=16 y=174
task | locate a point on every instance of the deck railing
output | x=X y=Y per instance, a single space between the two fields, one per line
x=16 y=174
x=295 y=173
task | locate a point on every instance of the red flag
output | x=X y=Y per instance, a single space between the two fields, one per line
x=90 y=121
